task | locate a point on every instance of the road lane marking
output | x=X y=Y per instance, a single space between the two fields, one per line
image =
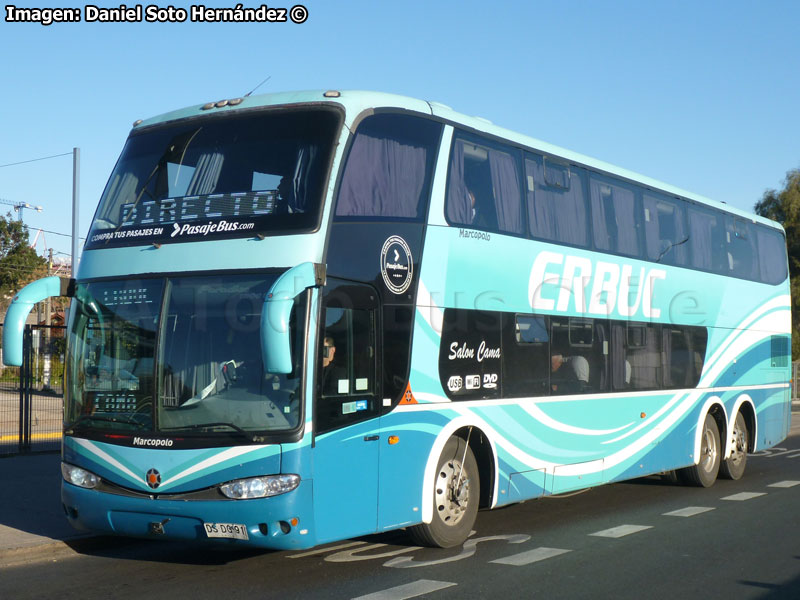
x=621 y=531
x=327 y=549
x=741 y=497
x=784 y=484
x=409 y=590
x=689 y=511
x=531 y=556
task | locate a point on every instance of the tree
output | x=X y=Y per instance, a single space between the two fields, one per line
x=783 y=206
x=19 y=263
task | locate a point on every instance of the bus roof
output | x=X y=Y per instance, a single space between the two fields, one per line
x=357 y=101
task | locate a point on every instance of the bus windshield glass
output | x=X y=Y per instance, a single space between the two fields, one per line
x=177 y=355
x=218 y=177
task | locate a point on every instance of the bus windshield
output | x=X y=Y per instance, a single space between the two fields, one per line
x=177 y=355
x=218 y=177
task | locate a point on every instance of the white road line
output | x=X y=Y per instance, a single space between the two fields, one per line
x=326 y=549
x=531 y=556
x=741 y=497
x=784 y=484
x=621 y=531
x=689 y=511
x=409 y=590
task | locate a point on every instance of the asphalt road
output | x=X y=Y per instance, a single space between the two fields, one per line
x=640 y=539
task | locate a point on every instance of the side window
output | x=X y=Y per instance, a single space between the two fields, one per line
x=347 y=364
x=578 y=355
x=742 y=250
x=684 y=354
x=483 y=189
x=707 y=240
x=614 y=217
x=556 y=203
x=389 y=167
x=643 y=366
x=771 y=254
x=666 y=238
x=470 y=354
x=526 y=342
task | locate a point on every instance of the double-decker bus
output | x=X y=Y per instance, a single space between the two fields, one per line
x=303 y=317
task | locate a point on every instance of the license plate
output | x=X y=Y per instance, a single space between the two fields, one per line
x=226 y=530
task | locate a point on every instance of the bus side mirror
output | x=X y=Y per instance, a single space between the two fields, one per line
x=276 y=349
x=20 y=308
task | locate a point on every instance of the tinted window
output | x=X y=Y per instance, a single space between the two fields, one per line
x=556 y=203
x=389 y=168
x=665 y=230
x=707 y=240
x=232 y=176
x=469 y=355
x=771 y=254
x=526 y=358
x=483 y=190
x=741 y=247
x=614 y=217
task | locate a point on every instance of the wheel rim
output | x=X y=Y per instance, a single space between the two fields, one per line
x=452 y=496
x=739 y=444
x=708 y=451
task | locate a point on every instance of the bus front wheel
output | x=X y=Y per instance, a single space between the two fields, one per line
x=456 y=493
x=704 y=473
x=733 y=466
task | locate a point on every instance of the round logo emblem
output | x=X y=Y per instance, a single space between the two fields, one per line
x=153 y=478
x=397 y=265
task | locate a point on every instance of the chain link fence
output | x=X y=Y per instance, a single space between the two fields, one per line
x=32 y=396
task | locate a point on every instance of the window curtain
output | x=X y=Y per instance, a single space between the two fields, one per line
x=384 y=177
x=555 y=213
x=507 y=193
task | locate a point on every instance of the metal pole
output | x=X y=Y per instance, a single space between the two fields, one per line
x=76 y=173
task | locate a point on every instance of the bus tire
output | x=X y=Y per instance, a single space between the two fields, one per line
x=455 y=503
x=704 y=473
x=733 y=466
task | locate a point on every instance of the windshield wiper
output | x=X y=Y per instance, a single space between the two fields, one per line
x=83 y=419
x=252 y=437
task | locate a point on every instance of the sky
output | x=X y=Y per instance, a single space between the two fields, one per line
x=703 y=95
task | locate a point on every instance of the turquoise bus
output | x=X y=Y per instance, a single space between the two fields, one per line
x=303 y=317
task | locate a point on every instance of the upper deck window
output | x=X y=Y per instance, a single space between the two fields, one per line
x=483 y=188
x=388 y=170
x=228 y=176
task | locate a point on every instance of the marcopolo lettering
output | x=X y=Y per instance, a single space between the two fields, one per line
x=152 y=442
x=560 y=282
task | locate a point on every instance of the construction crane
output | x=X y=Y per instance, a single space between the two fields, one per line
x=19 y=206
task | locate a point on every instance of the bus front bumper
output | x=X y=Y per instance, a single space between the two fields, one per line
x=279 y=522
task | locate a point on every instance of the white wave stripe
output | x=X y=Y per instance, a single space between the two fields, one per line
x=772 y=322
x=108 y=459
x=538 y=414
x=647 y=423
x=778 y=302
x=526 y=459
x=214 y=460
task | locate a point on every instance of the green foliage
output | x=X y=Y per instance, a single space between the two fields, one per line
x=783 y=206
x=19 y=263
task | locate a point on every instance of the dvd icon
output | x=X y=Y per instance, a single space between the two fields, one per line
x=454 y=383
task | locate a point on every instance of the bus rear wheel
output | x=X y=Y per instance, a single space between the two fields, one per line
x=704 y=473
x=733 y=466
x=456 y=493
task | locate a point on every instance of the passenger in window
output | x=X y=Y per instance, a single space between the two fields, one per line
x=285 y=201
x=562 y=378
x=482 y=208
x=332 y=374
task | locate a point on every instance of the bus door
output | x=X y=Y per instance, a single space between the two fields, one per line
x=346 y=414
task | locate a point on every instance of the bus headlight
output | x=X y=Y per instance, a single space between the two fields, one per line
x=260 y=487
x=80 y=477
